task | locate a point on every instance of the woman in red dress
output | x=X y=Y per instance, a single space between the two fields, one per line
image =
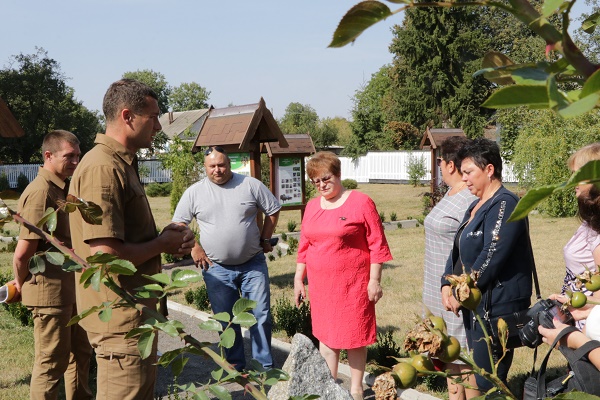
x=341 y=251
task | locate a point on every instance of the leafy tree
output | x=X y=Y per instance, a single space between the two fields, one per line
x=344 y=130
x=299 y=118
x=404 y=135
x=325 y=134
x=189 y=96
x=156 y=81
x=436 y=52
x=35 y=90
x=368 y=116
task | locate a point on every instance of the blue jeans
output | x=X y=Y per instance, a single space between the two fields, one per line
x=225 y=284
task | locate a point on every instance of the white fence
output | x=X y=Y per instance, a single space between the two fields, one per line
x=380 y=166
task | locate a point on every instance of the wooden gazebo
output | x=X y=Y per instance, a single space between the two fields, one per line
x=9 y=126
x=432 y=139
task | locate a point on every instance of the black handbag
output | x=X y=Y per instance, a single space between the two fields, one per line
x=583 y=375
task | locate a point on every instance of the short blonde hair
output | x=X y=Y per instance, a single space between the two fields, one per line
x=324 y=161
x=584 y=155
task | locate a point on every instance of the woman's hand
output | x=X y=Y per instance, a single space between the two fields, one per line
x=449 y=301
x=299 y=292
x=549 y=334
x=374 y=290
x=577 y=313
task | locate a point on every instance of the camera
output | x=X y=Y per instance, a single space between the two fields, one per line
x=542 y=313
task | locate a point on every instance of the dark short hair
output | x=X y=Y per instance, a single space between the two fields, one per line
x=324 y=161
x=53 y=140
x=450 y=147
x=126 y=93
x=483 y=152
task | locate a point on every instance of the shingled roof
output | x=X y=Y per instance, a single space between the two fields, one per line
x=300 y=144
x=9 y=126
x=239 y=128
x=174 y=124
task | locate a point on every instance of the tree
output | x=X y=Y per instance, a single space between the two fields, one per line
x=189 y=96
x=404 y=135
x=156 y=81
x=344 y=130
x=35 y=90
x=325 y=134
x=299 y=118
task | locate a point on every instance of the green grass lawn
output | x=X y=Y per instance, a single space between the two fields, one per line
x=399 y=308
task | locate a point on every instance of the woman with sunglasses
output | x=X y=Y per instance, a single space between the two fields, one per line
x=441 y=225
x=341 y=252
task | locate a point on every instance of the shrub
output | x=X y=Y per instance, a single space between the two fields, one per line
x=386 y=347
x=399 y=225
x=22 y=182
x=293 y=245
x=17 y=310
x=310 y=191
x=271 y=257
x=349 y=184
x=382 y=216
x=9 y=247
x=291 y=319
x=198 y=297
x=291 y=225
x=4 y=184
x=393 y=216
x=155 y=189
x=415 y=167
x=431 y=199
x=284 y=236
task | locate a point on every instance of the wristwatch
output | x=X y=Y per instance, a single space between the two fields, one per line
x=264 y=240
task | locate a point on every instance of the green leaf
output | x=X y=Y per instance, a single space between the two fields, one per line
x=151 y=286
x=211 y=325
x=160 y=278
x=95 y=281
x=245 y=319
x=220 y=392
x=227 y=338
x=222 y=316
x=55 y=258
x=83 y=314
x=550 y=6
x=200 y=396
x=37 y=265
x=138 y=331
x=86 y=275
x=589 y=173
x=531 y=199
x=556 y=97
x=357 y=20
x=49 y=219
x=243 y=305
x=177 y=365
x=145 y=344
x=580 y=107
x=591 y=85
x=533 y=96
x=90 y=212
x=167 y=357
x=217 y=374
x=105 y=314
x=275 y=375
x=101 y=258
x=187 y=275
x=530 y=76
x=168 y=328
x=590 y=23
x=122 y=267
x=71 y=266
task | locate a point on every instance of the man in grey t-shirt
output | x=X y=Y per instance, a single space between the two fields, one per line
x=231 y=249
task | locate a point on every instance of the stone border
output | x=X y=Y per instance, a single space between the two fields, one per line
x=407 y=394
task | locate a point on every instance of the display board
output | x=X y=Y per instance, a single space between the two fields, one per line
x=288 y=183
x=240 y=163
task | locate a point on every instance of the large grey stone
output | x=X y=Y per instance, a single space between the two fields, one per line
x=309 y=374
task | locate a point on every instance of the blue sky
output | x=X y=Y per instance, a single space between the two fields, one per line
x=239 y=50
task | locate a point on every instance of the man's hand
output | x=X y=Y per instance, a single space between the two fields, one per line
x=17 y=296
x=186 y=239
x=267 y=248
x=200 y=258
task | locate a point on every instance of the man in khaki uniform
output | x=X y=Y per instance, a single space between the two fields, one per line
x=50 y=295
x=107 y=175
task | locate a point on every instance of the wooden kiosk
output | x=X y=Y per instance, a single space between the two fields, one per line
x=431 y=140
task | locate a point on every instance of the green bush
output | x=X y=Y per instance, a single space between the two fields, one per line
x=284 y=236
x=17 y=310
x=291 y=319
x=293 y=245
x=381 y=352
x=198 y=298
x=271 y=257
x=155 y=189
x=382 y=216
x=349 y=184
x=291 y=225
x=22 y=182
x=310 y=191
x=393 y=216
x=9 y=247
x=415 y=167
x=4 y=184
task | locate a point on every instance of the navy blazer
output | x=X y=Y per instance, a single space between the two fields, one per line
x=499 y=250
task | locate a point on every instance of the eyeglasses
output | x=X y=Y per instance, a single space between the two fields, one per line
x=324 y=180
x=439 y=161
x=216 y=148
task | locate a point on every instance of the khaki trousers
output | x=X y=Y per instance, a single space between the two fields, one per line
x=122 y=373
x=59 y=351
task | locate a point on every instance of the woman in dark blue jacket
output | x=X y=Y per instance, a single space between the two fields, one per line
x=499 y=251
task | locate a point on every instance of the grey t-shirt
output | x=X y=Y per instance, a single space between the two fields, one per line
x=226 y=215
